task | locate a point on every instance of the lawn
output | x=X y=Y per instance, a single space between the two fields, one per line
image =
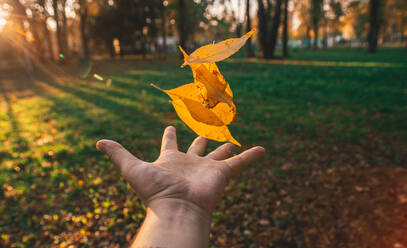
x=334 y=124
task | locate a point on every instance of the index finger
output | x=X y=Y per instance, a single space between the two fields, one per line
x=243 y=159
x=169 y=141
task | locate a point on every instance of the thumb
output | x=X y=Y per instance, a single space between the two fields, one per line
x=118 y=154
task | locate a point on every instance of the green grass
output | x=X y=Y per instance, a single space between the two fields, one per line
x=56 y=187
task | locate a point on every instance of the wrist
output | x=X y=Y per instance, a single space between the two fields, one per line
x=176 y=210
x=174 y=223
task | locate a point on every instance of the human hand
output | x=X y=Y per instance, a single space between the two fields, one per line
x=183 y=177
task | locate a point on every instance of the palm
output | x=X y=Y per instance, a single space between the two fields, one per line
x=176 y=175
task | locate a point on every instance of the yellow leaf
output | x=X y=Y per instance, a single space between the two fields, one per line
x=217 y=52
x=220 y=115
x=196 y=116
x=5 y=238
x=212 y=86
x=218 y=133
x=84 y=220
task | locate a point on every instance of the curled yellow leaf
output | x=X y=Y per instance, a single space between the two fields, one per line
x=218 y=133
x=208 y=123
x=212 y=86
x=218 y=51
x=220 y=115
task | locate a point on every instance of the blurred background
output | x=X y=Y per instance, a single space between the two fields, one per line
x=322 y=85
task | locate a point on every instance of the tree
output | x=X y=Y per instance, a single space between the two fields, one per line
x=394 y=24
x=135 y=24
x=181 y=24
x=19 y=10
x=106 y=25
x=249 y=48
x=268 y=36
x=325 y=31
x=189 y=15
x=163 y=29
x=60 y=34
x=303 y=31
x=83 y=17
x=285 y=29
x=356 y=14
x=237 y=20
x=316 y=16
x=374 y=25
x=274 y=29
x=64 y=27
x=45 y=31
x=337 y=11
x=263 y=19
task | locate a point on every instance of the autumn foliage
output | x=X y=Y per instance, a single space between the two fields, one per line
x=206 y=105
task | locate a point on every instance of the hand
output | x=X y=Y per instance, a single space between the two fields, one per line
x=185 y=177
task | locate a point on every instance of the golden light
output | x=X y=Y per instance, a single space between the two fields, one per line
x=3 y=18
x=3 y=23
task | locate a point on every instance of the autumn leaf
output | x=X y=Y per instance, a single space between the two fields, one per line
x=217 y=52
x=212 y=86
x=206 y=122
x=219 y=115
x=206 y=105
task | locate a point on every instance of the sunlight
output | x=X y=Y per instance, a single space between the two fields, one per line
x=3 y=23
x=3 y=18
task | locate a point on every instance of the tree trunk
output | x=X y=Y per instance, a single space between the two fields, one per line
x=325 y=34
x=48 y=39
x=316 y=15
x=249 y=48
x=46 y=32
x=64 y=28
x=374 y=6
x=182 y=32
x=164 y=32
x=83 y=22
x=19 y=10
x=112 y=52
x=335 y=33
x=238 y=30
x=38 y=44
x=239 y=25
x=315 y=43
x=308 y=36
x=60 y=48
x=263 y=27
x=274 y=29
x=285 y=29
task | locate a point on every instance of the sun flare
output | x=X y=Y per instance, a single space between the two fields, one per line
x=3 y=18
x=3 y=23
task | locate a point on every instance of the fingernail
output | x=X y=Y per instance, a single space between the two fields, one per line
x=100 y=145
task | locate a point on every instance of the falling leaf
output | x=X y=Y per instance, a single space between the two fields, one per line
x=219 y=115
x=206 y=105
x=217 y=52
x=212 y=86
x=206 y=122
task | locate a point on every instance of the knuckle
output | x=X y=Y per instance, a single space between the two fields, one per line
x=229 y=148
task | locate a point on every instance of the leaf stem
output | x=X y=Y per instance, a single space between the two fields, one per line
x=155 y=86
